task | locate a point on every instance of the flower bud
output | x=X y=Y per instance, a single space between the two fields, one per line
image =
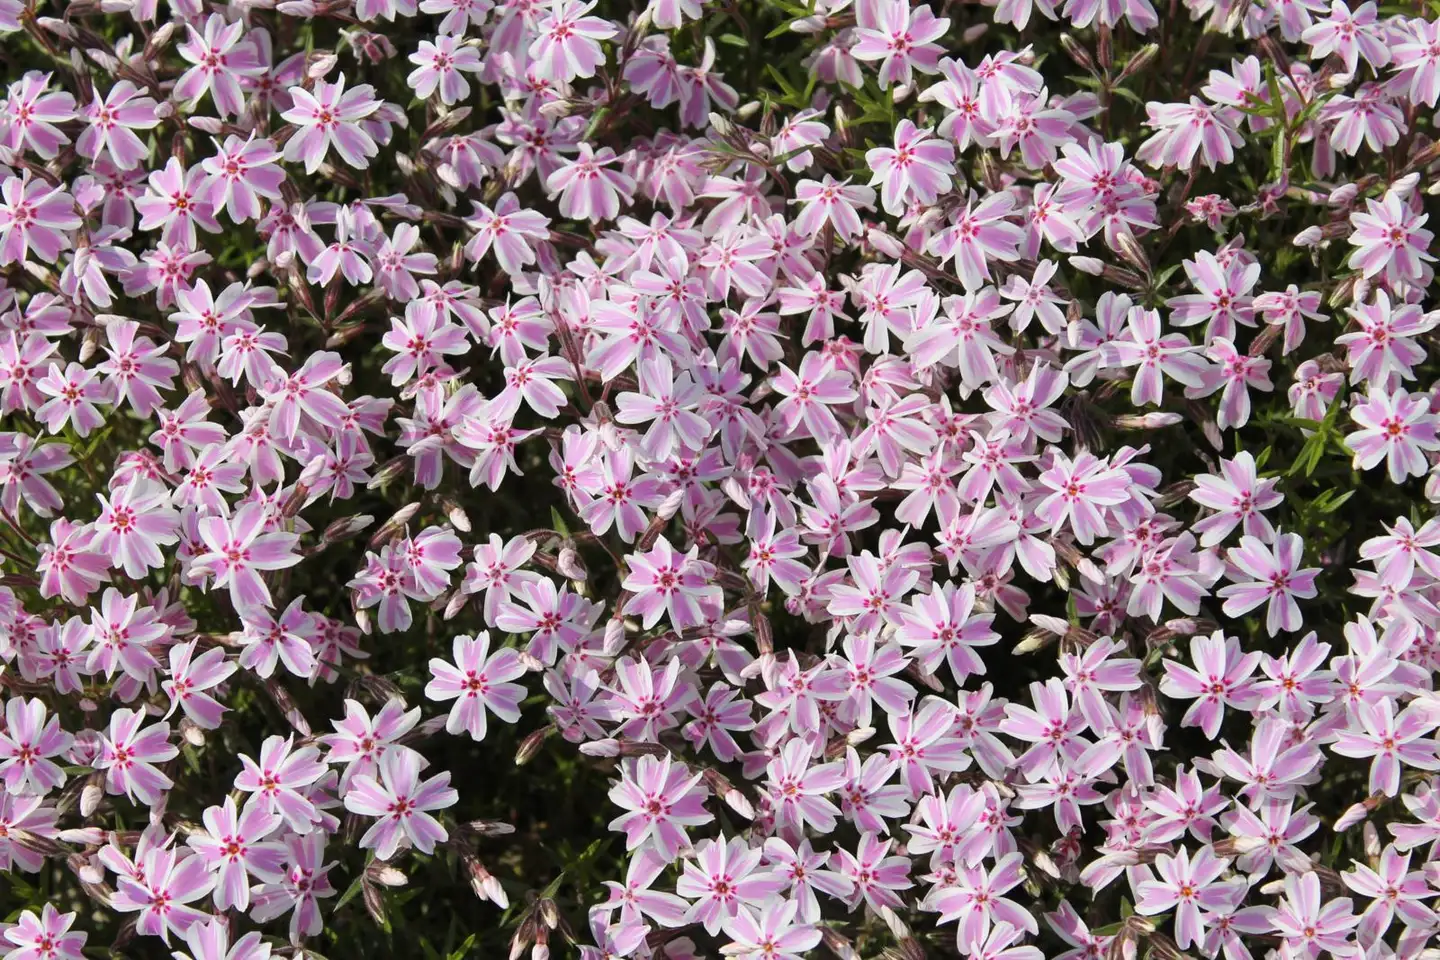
x=569 y=564
x=321 y=65
x=1078 y=53
x=343 y=529
x=607 y=748
x=1142 y=59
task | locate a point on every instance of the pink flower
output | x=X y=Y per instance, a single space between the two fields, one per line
x=32 y=112
x=772 y=935
x=210 y=940
x=1350 y=34
x=1079 y=489
x=567 y=43
x=978 y=234
x=1220 y=678
x=588 y=189
x=661 y=798
x=277 y=779
x=833 y=202
x=26 y=746
x=189 y=678
x=331 y=117
x=1186 y=885
x=902 y=38
x=1308 y=925
x=975 y=901
x=477 y=681
x=723 y=879
x=1394 y=889
x=222 y=58
x=509 y=230
x=111 y=124
x=161 y=890
x=1184 y=131
x=1390 y=237
x=133 y=524
x=1393 y=741
x=918 y=166
x=233 y=846
x=73 y=393
x=240 y=174
x=306 y=880
x=238 y=550
x=34 y=216
x=1237 y=498
x=128 y=756
x=1397 y=427
x=402 y=804
x=46 y=937
x=442 y=64
x=1275 y=577
x=1223 y=298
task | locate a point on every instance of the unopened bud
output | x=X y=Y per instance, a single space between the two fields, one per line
x=392 y=527
x=606 y=748
x=456 y=514
x=1088 y=265
x=343 y=529
x=531 y=745
x=569 y=564
x=209 y=125
x=322 y=65
x=1076 y=52
x=1148 y=421
x=1142 y=59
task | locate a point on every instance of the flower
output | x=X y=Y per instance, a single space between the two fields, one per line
x=45 y=937
x=1397 y=427
x=330 y=116
x=402 y=804
x=661 y=798
x=1275 y=578
x=1389 y=238
x=1186 y=885
x=477 y=681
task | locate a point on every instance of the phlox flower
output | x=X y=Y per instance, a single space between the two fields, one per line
x=402 y=804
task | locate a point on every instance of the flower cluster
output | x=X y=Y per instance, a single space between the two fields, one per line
x=894 y=473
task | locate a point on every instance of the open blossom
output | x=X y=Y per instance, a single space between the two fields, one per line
x=567 y=44
x=401 y=804
x=1397 y=427
x=1390 y=237
x=836 y=203
x=330 y=116
x=919 y=166
x=661 y=798
x=478 y=681
x=1185 y=885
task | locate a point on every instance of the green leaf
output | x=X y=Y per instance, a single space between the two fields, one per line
x=351 y=892
x=734 y=40
x=558 y=524
x=460 y=952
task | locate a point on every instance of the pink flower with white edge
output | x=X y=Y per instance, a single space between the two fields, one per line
x=1219 y=678
x=1185 y=885
x=567 y=42
x=478 y=682
x=1397 y=427
x=46 y=937
x=667 y=582
x=239 y=549
x=26 y=746
x=331 y=116
x=402 y=804
x=661 y=798
x=1390 y=238
x=234 y=847
x=129 y=757
x=918 y=168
